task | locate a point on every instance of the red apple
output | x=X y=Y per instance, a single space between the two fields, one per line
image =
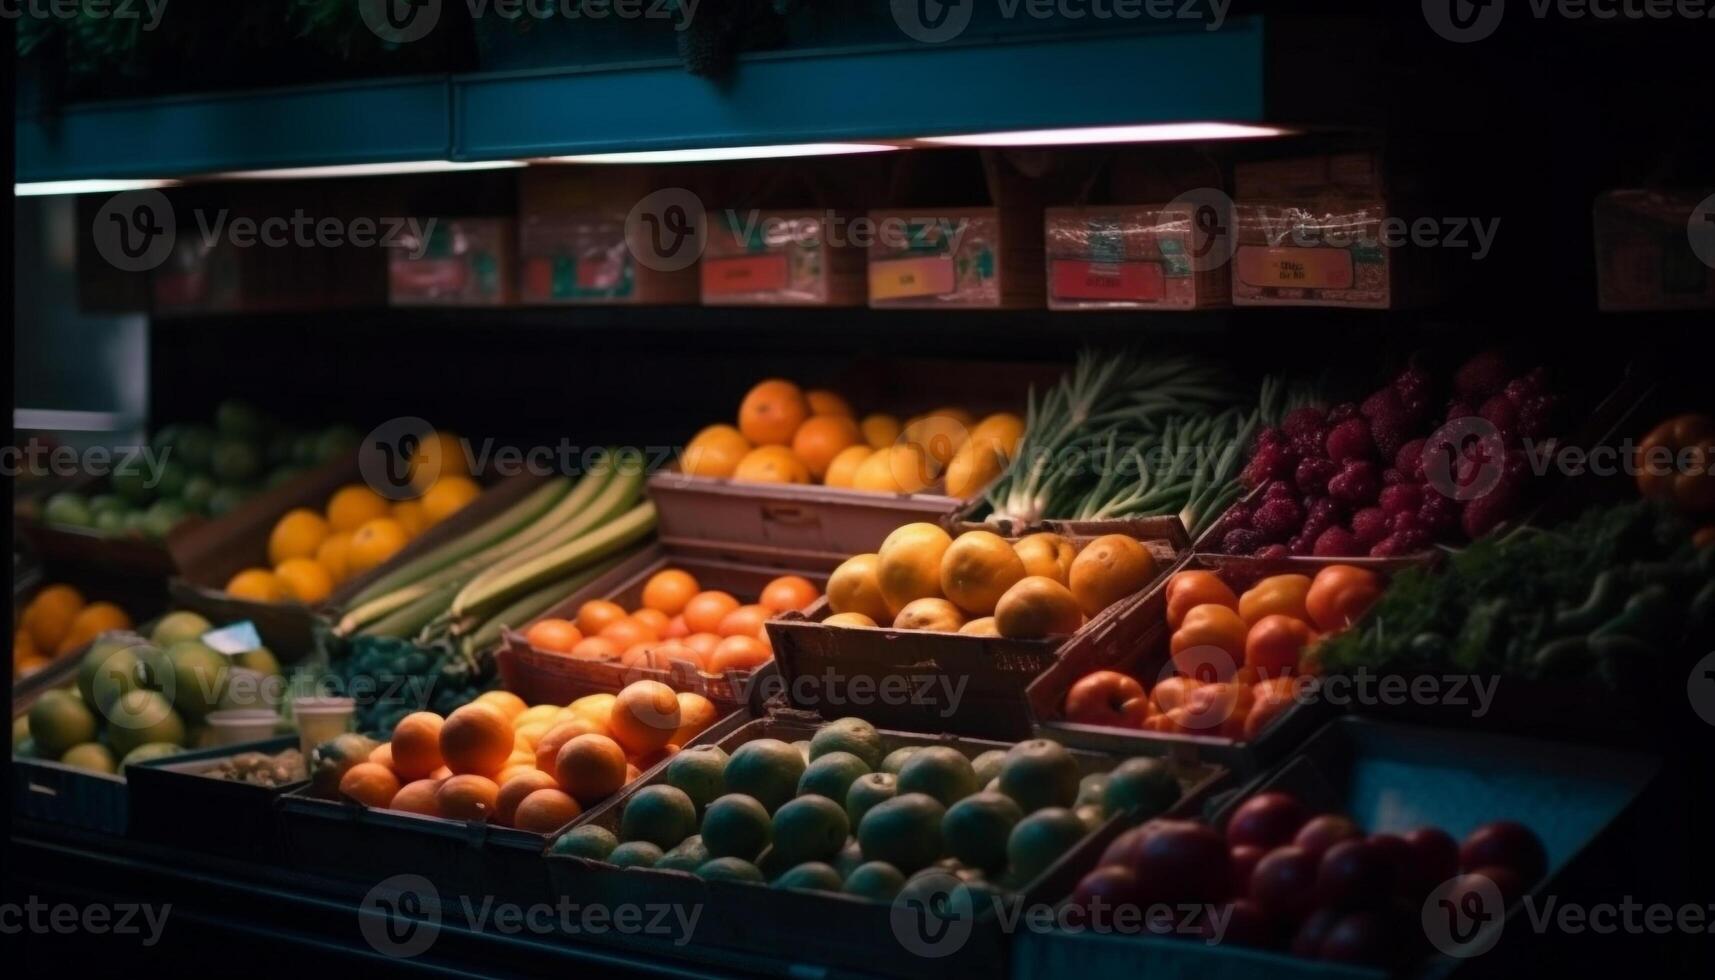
x=1244 y=858
x=1104 y=890
x=1354 y=874
x=1506 y=881
x=1360 y=937
x=1434 y=859
x=1183 y=861
x=1266 y=820
x=1307 y=941
x=1107 y=697
x=1323 y=832
x=1284 y=882
x=1240 y=922
x=1507 y=844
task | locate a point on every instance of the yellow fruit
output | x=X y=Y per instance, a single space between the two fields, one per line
x=1003 y=428
x=939 y=434
x=856 y=588
x=353 y=505
x=977 y=569
x=49 y=615
x=935 y=615
x=1047 y=554
x=538 y=713
x=880 y=430
x=90 y=622
x=897 y=469
x=980 y=627
x=771 y=412
x=375 y=542
x=714 y=452
x=441 y=455
x=822 y=438
x=297 y=535
x=974 y=467
x=1108 y=569
x=1037 y=607
x=845 y=466
x=409 y=514
x=447 y=496
x=825 y=402
x=771 y=464
x=910 y=564
x=851 y=620
x=507 y=703
x=335 y=555
x=305 y=580
x=257 y=585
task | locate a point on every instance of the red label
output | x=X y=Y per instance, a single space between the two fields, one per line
x=1113 y=282
x=751 y=274
x=600 y=271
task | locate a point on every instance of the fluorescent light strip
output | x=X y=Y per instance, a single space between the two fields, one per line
x=46 y=188
x=1151 y=133
x=368 y=169
x=714 y=153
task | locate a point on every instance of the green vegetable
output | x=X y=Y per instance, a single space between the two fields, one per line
x=614 y=536
x=1651 y=614
x=1567 y=657
x=1605 y=597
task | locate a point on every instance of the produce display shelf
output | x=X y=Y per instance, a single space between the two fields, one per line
x=286 y=919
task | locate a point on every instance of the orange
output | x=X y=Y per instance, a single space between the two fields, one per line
x=447 y=497
x=771 y=464
x=467 y=797
x=596 y=615
x=627 y=633
x=825 y=402
x=823 y=437
x=744 y=621
x=973 y=467
x=257 y=585
x=980 y=627
x=714 y=452
x=654 y=619
x=939 y=434
x=703 y=645
x=977 y=569
x=1047 y=554
x=675 y=629
x=90 y=622
x=507 y=703
x=703 y=614
x=1340 y=594
x=375 y=542
x=513 y=791
x=383 y=755
x=1276 y=595
x=548 y=749
x=644 y=716
x=596 y=707
x=355 y=505
x=855 y=587
x=418 y=797
x=1172 y=692
x=842 y=469
x=771 y=412
x=305 y=580
x=1037 y=607
x=296 y=535
x=695 y=714
x=334 y=554
x=441 y=455
x=788 y=592
x=546 y=811
x=596 y=649
x=555 y=635
x=902 y=468
x=49 y=615
x=739 y=653
x=409 y=514
x=1209 y=630
x=936 y=615
x=370 y=784
x=531 y=733
x=1274 y=643
x=441 y=774
x=880 y=430
x=537 y=713
x=910 y=564
x=1109 y=569
x=850 y=620
x=591 y=768
x=1188 y=589
x=417 y=745
x=1003 y=429
x=476 y=739
x=516 y=769
x=656 y=656
x=669 y=589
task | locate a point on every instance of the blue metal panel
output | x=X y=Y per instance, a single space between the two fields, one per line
x=908 y=90
x=333 y=124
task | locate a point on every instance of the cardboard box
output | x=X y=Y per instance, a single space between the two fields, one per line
x=781 y=258
x=1647 y=256
x=1133 y=257
x=1309 y=233
x=956 y=258
x=456 y=262
x=572 y=246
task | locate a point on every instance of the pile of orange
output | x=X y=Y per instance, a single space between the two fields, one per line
x=310 y=553
x=787 y=435
x=676 y=619
x=1237 y=655
x=56 y=621
x=532 y=768
x=1039 y=586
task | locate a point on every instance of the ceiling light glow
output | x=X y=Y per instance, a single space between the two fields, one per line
x=717 y=153
x=1150 y=133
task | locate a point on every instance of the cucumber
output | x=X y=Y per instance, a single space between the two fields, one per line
x=497 y=528
x=407 y=621
x=536 y=603
x=614 y=536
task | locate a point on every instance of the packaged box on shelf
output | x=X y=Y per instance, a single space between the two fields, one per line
x=572 y=243
x=955 y=258
x=1309 y=232
x=545 y=676
x=960 y=683
x=1135 y=257
x=1393 y=779
x=781 y=258
x=853 y=934
x=1144 y=655
x=1644 y=260
x=453 y=262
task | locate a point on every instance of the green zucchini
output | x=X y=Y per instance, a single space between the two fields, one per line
x=415 y=615
x=534 y=604
x=614 y=536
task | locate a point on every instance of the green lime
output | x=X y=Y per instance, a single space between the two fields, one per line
x=988 y=765
x=1041 y=839
x=90 y=755
x=1090 y=788
x=662 y=815
x=68 y=509
x=177 y=626
x=977 y=829
x=940 y=771
x=730 y=869
x=850 y=856
x=809 y=828
x=877 y=881
x=200 y=676
x=635 y=854
x=736 y=825
x=701 y=772
x=832 y=775
x=904 y=831
x=853 y=735
x=140 y=717
x=148 y=751
x=895 y=760
x=811 y=876
x=588 y=841
x=60 y=721
x=867 y=791
x=767 y=770
x=1040 y=773
x=688 y=856
x=1144 y=788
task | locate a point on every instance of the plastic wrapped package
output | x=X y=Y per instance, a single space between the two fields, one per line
x=1308 y=232
x=1135 y=257
x=453 y=262
x=1648 y=254
x=781 y=258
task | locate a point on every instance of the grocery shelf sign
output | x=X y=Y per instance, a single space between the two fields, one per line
x=910 y=278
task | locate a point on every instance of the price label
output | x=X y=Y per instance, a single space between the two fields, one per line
x=1295 y=268
x=908 y=278
x=240 y=637
x=1113 y=282
x=751 y=274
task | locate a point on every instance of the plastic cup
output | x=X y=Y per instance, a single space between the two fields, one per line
x=320 y=719
x=239 y=725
